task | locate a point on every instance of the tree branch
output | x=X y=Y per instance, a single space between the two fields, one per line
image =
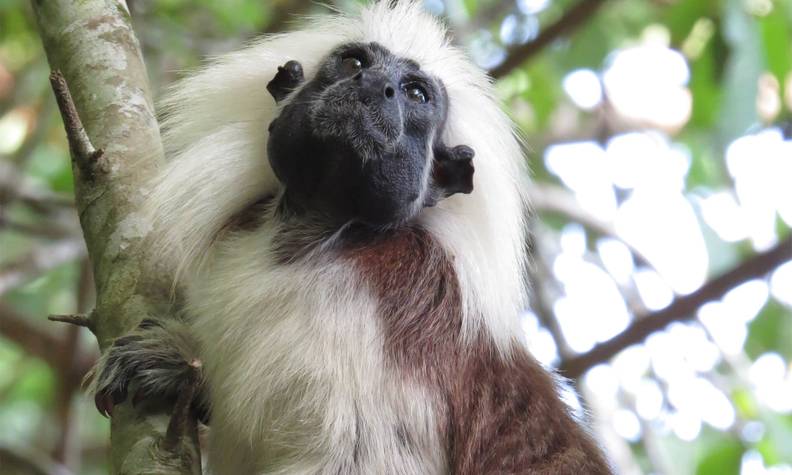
x=556 y=200
x=103 y=94
x=571 y=20
x=18 y=460
x=84 y=153
x=683 y=308
x=49 y=230
x=76 y=320
x=38 y=261
x=13 y=187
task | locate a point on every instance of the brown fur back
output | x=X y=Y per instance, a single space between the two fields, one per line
x=499 y=415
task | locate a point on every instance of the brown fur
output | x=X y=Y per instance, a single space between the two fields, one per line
x=499 y=415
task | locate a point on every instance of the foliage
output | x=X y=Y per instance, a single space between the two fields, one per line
x=665 y=124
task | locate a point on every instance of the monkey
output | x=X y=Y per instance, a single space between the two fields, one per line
x=344 y=211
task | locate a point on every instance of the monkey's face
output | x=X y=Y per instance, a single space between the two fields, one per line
x=374 y=100
x=357 y=142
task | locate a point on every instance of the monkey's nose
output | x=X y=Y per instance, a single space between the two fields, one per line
x=373 y=85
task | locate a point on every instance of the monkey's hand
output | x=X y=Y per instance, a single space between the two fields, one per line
x=288 y=77
x=453 y=170
x=156 y=362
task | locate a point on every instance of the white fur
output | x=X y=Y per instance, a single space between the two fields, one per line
x=294 y=354
x=297 y=351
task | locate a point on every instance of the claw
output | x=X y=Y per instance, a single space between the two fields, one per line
x=104 y=403
x=147 y=364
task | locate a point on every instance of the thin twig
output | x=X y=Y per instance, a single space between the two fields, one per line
x=80 y=144
x=572 y=19
x=683 y=308
x=77 y=320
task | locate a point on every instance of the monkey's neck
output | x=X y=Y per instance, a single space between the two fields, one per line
x=302 y=232
x=301 y=238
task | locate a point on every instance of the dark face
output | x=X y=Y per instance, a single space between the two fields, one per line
x=357 y=142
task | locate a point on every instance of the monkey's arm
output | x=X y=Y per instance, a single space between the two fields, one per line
x=286 y=80
x=155 y=362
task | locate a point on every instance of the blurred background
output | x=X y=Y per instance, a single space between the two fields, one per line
x=658 y=135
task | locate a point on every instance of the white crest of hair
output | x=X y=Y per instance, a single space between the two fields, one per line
x=215 y=134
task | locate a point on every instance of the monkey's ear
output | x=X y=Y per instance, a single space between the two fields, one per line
x=453 y=170
x=288 y=77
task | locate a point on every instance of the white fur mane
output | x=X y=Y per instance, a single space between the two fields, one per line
x=215 y=134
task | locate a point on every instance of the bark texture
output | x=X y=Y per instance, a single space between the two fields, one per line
x=92 y=43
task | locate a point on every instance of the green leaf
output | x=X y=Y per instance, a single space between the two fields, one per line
x=745 y=403
x=722 y=459
x=705 y=82
x=680 y=17
x=51 y=293
x=36 y=384
x=544 y=91
x=775 y=31
x=744 y=66
x=471 y=7
x=706 y=167
x=770 y=331
x=591 y=46
x=776 y=445
x=51 y=165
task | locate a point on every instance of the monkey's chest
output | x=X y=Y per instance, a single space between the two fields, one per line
x=298 y=372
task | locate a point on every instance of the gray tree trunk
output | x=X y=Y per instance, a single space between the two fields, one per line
x=92 y=43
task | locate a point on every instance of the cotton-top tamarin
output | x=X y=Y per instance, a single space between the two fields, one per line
x=351 y=285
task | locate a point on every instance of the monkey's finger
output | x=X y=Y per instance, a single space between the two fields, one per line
x=463 y=152
x=294 y=69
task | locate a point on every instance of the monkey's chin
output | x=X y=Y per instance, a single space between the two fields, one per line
x=361 y=141
x=361 y=128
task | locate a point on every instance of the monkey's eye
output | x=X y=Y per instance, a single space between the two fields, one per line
x=351 y=65
x=415 y=93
